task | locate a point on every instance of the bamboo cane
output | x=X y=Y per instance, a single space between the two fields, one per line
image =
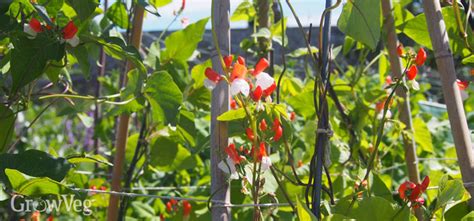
x=404 y=106
x=219 y=105
x=457 y=118
x=122 y=130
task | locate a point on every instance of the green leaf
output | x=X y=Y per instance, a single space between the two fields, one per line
x=300 y=104
x=277 y=31
x=117 y=47
x=186 y=127
x=117 y=13
x=468 y=217
x=301 y=52
x=244 y=12
x=35 y=163
x=83 y=8
x=53 y=71
x=143 y=210
x=7 y=127
x=29 y=58
x=417 y=30
x=135 y=103
x=159 y=3
x=171 y=156
x=336 y=217
x=468 y=60
x=304 y=214
x=200 y=98
x=3 y=195
x=15 y=5
x=232 y=115
x=34 y=186
x=82 y=55
x=452 y=190
x=401 y=15
x=458 y=211
x=164 y=95
x=380 y=209
x=422 y=135
x=52 y=6
x=197 y=73
x=379 y=188
x=86 y=158
x=361 y=20
x=180 y=45
x=165 y=150
x=131 y=147
x=263 y=33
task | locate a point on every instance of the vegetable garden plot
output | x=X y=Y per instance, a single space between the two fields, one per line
x=321 y=132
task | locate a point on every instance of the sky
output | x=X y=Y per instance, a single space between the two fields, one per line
x=309 y=11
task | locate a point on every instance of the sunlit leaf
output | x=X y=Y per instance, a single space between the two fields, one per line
x=361 y=20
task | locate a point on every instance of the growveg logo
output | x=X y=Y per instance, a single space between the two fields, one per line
x=20 y=204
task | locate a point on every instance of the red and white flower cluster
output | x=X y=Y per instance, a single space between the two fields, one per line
x=248 y=88
x=237 y=77
x=68 y=33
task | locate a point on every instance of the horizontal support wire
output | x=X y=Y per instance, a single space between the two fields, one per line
x=157 y=188
x=217 y=203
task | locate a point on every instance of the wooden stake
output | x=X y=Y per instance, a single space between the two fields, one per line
x=122 y=129
x=405 y=111
x=219 y=105
x=457 y=118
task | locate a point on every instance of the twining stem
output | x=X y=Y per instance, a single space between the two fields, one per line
x=460 y=25
x=256 y=166
x=214 y=38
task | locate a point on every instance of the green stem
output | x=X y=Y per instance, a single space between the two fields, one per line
x=214 y=37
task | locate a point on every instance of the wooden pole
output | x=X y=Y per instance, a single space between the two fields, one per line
x=220 y=104
x=122 y=129
x=457 y=118
x=405 y=111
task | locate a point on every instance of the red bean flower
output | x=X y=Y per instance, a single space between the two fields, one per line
x=263 y=125
x=33 y=28
x=69 y=34
x=264 y=80
x=261 y=65
x=250 y=134
x=420 y=57
x=463 y=85
x=238 y=83
x=412 y=192
x=233 y=154
x=411 y=72
x=400 y=50
x=228 y=60
x=212 y=78
x=241 y=60
x=292 y=116
x=257 y=94
x=263 y=158
x=233 y=104
x=169 y=207
x=277 y=129
x=186 y=208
